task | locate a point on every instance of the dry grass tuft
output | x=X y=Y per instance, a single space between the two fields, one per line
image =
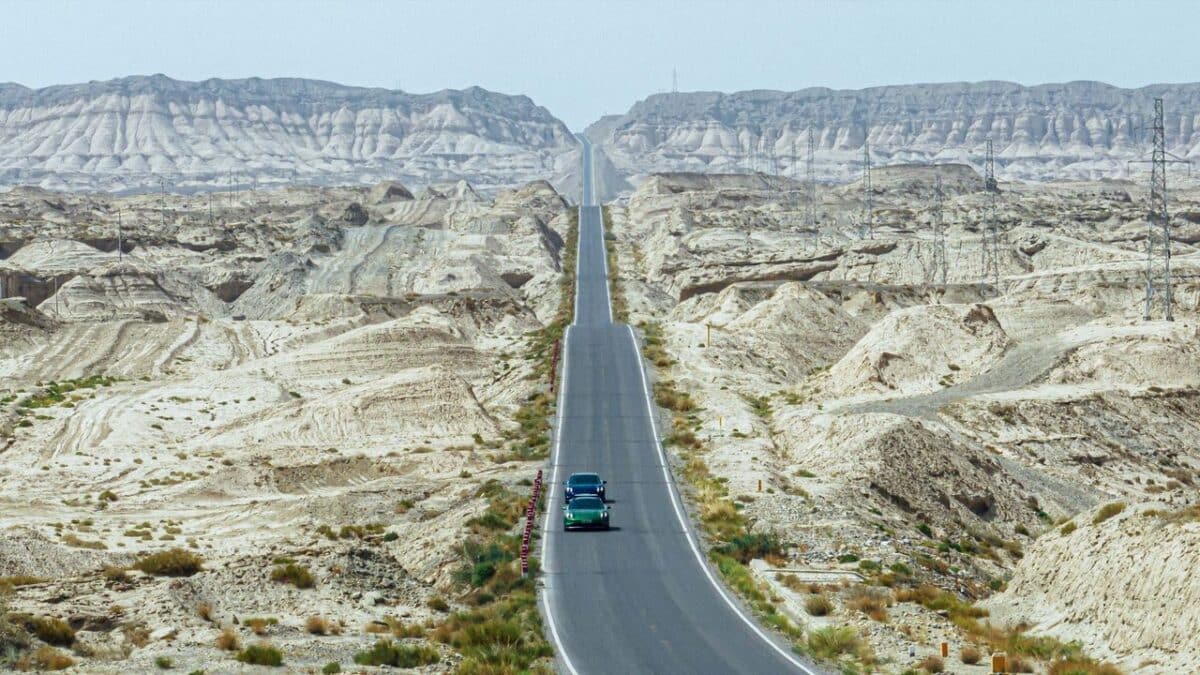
x=1108 y=511
x=228 y=640
x=970 y=655
x=870 y=601
x=932 y=664
x=818 y=605
x=320 y=626
x=45 y=658
x=259 y=624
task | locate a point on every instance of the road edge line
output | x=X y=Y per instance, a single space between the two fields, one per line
x=551 y=492
x=683 y=521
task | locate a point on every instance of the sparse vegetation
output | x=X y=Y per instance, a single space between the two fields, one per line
x=52 y=631
x=291 y=573
x=970 y=655
x=388 y=653
x=834 y=641
x=317 y=625
x=818 y=605
x=1068 y=528
x=260 y=624
x=1108 y=511
x=43 y=658
x=228 y=640
x=261 y=654
x=932 y=664
x=164 y=662
x=176 y=562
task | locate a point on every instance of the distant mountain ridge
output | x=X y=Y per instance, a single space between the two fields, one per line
x=1071 y=130
x=129 y=133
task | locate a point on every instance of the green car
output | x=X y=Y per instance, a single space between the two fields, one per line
x=586 y=511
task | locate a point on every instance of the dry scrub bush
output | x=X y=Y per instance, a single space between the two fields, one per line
x=818 y=605
x=228 y=640
x=870 y=601
x=932 y=664
x=52 y=631
x=317 y=625
x=204 y=611
x=1082 y=667
x=970 y=655
x=259 y=624
x=175 y=562
x=45 y=658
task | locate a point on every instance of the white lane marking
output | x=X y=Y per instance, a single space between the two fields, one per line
x=679 y=513
x=578 y=249
x=552 y=494
x=604 y=257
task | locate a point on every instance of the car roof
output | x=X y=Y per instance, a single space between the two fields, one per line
x=581 y=498
x=584 y=475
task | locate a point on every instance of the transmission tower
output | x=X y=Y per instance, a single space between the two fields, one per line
x=868 y=193
x=989 y=241
x=674 y=81
x=939 y=232
x=810 y=208
x=1157 y=215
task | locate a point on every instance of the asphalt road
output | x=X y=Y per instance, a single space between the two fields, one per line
x=638 y=598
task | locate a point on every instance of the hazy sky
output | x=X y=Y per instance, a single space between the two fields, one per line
x=585 y=59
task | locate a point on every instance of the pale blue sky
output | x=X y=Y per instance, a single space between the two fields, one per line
x=585 y=59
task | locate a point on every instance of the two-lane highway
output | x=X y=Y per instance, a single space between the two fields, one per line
x=639 y=598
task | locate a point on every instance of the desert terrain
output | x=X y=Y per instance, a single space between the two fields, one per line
x=1004 y=467
x=265 y=419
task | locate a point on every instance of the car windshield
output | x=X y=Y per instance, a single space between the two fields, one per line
x=586 y=503
x=584 y=479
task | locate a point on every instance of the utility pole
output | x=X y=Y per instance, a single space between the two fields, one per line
x=120 y=251
x=162 y=201
x=939 y=232
x=868 y=192
x=674 y=81
x=810 y=209
x=989 y=238
x=210 y=220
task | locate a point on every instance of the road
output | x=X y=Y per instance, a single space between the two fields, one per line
x=639 y=598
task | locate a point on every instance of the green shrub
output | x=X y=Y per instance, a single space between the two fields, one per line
x=1108 y=511
x=164 y=662
x=1068 y=528
x=833 y=641
x=175 y=562
x=331 y=668
x=261 y=654
x=746 y=547
x=291 y=573
x=388 y=653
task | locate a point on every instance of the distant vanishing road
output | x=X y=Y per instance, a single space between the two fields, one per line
x=640 y=598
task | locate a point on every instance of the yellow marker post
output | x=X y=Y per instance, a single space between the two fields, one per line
x=760 y=485
x=999 y=663
x=945 y=649
x=708 y=340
